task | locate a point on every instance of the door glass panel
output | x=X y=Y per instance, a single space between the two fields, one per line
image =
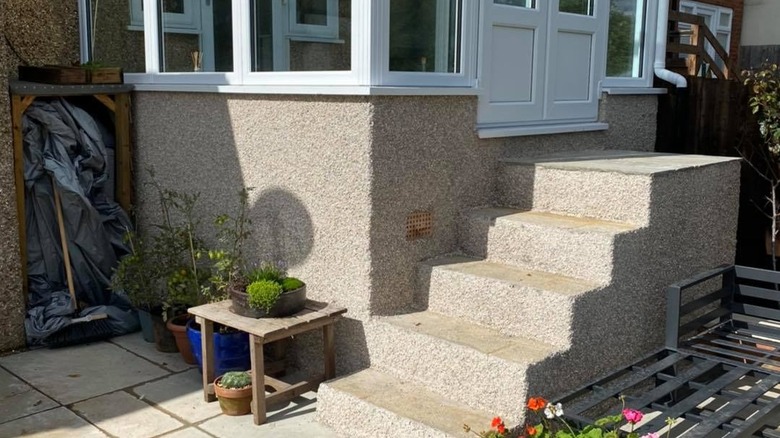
x=425 y=35
x=580 y=7
x=624 y=47
x=520 y=3
x=313 y=12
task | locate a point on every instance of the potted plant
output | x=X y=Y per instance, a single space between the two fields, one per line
x=234 y=391
x=136 y=275
x=267 y=293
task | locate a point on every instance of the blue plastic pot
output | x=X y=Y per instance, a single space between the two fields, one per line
x=231 y=350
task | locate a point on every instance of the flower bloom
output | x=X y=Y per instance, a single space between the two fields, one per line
x=650 y=435
x=536 y=403
x=498 y=425
x=553 y=410
x=531 y=431
x=632 y=415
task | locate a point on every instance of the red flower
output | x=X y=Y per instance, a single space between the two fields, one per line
x=498 y=425
x=530 y=430
x=536 y=403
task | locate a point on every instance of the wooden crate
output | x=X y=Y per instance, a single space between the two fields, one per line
x=65 y=75
x=53 y=74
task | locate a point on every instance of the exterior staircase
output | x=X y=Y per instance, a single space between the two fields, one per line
x=538 y=298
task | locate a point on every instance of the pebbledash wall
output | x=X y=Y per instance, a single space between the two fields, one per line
x=335 y=178
x=31 y=32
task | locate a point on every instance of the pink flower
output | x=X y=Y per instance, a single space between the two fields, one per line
x=632 y=416
x=650 y=435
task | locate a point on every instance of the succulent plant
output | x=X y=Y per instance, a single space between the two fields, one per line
x=263 y=294
x=235 y=380
x=291 y=283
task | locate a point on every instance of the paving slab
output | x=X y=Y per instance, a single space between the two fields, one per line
x=55 y=423
x=294 y=419
x=135 y=343
x=18 y=399
x=180 y=394
x=123 y=415
x=190 y=432
x=72 y=374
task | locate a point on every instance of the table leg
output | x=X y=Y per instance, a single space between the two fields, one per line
x=329 y=344
x=258 y=378
x=207 y=356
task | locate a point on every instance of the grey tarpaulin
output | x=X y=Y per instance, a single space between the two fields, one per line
x=64 y=144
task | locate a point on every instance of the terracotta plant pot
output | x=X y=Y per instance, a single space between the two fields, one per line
x=178 y=326
x=289 y=303
x=233 y=401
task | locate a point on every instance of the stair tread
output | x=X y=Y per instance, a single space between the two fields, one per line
x=410 y=400
x=627 y=162
x=511 y=274
x=531 y=217
x=472 y=335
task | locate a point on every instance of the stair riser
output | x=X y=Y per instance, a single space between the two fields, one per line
x=602 y=195
x=456 y=372
x=509 y=308
x=557 y=250
x=354 y=417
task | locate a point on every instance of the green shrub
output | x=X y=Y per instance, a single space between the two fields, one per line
x=235 y=380
x=291 y=283
x=263 y=294
x=268 y=272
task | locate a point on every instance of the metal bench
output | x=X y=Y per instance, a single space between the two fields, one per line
x=719 y=372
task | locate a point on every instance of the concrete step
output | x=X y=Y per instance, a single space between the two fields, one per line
x=371 y=404
x=516 y=301
x=610 y=185
x=465 y=362
x=567 y=245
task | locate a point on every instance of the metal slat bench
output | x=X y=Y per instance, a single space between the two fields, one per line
x=719 y=372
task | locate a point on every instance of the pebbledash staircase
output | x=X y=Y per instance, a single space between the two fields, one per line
x=562 y=286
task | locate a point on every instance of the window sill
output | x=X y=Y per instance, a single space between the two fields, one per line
x=632 y=90
x=520 y=131
x=353 y=90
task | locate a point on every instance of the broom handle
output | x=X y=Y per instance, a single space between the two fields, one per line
x=64 y=240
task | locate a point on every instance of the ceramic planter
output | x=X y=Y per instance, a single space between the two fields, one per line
x=234 y=401
x=231 y=350
x=178 y=326
x=289 y=303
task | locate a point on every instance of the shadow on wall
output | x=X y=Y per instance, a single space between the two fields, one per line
x=282 y=229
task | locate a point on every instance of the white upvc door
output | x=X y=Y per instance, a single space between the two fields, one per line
x=513 y=60
x=576 y=61
x=539 y=65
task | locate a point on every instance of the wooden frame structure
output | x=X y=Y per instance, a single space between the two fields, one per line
x=116 y=98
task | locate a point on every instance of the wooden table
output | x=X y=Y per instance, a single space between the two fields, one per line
x=261 y=331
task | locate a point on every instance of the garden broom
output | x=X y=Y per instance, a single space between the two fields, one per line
x=80 y=330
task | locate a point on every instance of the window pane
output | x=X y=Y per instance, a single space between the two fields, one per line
x=624 y=51
x=196 y=36
x=315 y=38
x=581 y=7
x=425 y=35
x=520 y=3
x=113 y=43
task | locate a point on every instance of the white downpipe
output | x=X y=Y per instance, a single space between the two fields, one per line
x=659 y=66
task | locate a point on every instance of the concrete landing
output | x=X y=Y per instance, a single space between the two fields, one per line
x=629 y=162
x=125 y=388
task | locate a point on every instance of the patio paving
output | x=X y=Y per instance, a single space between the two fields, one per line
x=125 y=388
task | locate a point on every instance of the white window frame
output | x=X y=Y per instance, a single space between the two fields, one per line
x=187 y=22
x=645 y=77
x=466 y=57
x=314 y=32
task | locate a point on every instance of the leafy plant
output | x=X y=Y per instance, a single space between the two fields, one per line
x=267 y=271
x=545 y=420
x=135 y=274
x=235 y=380
x=764 y=85
x=291 y=283
x=263 y=294
x=228 y=262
